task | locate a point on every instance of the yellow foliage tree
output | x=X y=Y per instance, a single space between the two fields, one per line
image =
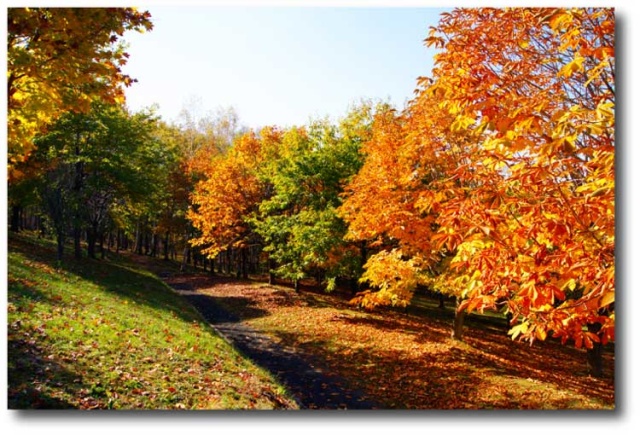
x=59 y=60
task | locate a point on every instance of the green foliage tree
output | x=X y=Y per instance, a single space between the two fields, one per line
x=95 y=163
x=298 y=222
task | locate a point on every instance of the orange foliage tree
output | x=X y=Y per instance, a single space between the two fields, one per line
x=512 y=141
x=230 y=192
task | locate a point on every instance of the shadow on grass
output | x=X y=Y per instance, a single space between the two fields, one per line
x=115 y=274
x=432 y=371
x=550 y=362
x=422 y=334
x=31 y=374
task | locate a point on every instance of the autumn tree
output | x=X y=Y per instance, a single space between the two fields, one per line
x=382 y=207
x=498 y=179
x=535 y=202
x=60 y=60
x=229 y=193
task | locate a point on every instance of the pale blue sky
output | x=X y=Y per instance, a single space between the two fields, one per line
x=278 y=65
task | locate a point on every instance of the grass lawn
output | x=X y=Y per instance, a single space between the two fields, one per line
x=105 y=334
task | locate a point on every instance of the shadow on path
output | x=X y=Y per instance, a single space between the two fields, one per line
x=311 y=388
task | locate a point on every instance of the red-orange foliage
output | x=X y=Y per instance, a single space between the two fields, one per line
x=512 y=150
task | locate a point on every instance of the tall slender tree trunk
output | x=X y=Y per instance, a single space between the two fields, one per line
x=101 y=238
x=60 y=242
x=458 y=322
x=77 y=235
x=91 y=243
x=77 y=188
x=166 y=246
x=183 y=264
x=15 y=218
x=238 y=263
x=594 y=355
x=136 y=237
x=154 y=244
x=441 y=301
x=272 y=276
x=245 y=272
x=353 y=286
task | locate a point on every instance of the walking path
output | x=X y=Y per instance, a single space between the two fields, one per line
x=303 y=378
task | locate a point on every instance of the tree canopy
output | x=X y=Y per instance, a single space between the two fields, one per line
x=59 y=60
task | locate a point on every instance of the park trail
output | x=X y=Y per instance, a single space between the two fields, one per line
x=303 y=376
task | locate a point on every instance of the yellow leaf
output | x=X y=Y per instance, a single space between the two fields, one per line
x=541 y=334
x=560 y=20
x=571 y=67
x=518 y=329
x=607 y=299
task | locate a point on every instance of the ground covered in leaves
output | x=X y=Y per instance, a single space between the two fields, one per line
x=409 y=361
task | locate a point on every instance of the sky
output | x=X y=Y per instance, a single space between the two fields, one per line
x=277 y=65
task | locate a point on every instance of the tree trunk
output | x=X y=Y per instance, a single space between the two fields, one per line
x=441 y=304
x=77 y=248
x=77 y=188
x=154 y=245
x=272 y=276
x=166 y=246
x=185 y=254
x=138 y=239
x=594 y=355
x=296 y=285
x=245 y=272
x=363 y=253
x=458 y=323
x=91 y=243
x=508 y=318
x=15 y=218
x=60 y=240
x=354 y=286
x=101 y=245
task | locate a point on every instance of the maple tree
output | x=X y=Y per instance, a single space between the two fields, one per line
x=59 y=60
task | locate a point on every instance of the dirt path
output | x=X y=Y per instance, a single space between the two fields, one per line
x=303 y=377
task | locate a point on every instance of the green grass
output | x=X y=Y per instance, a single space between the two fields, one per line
x=96 y=334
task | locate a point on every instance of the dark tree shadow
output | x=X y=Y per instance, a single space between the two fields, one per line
x=30 y=373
